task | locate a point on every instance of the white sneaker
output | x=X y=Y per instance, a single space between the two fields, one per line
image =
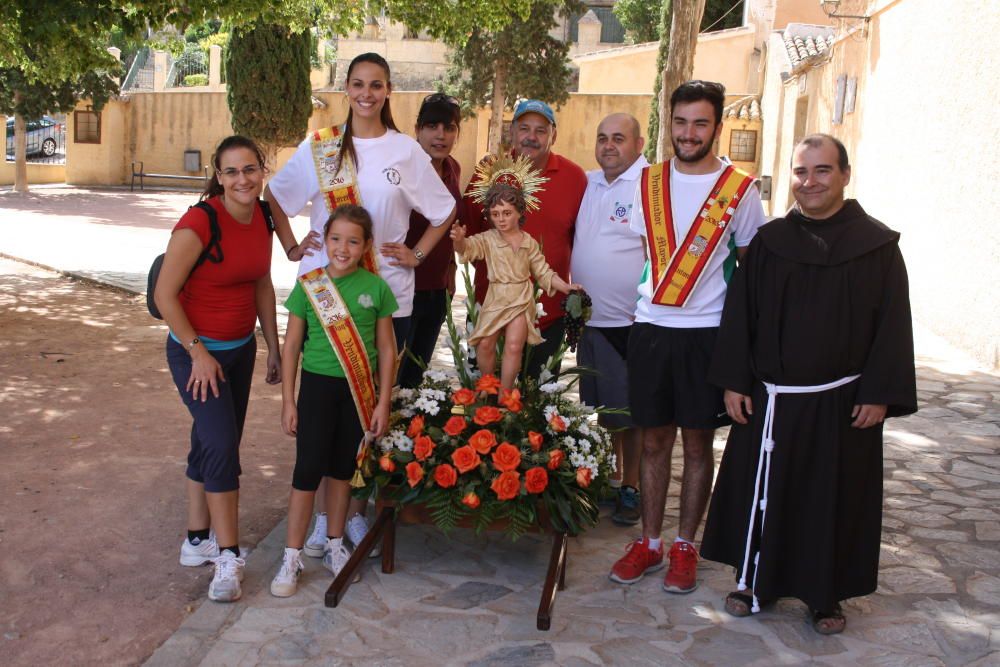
x=194 y=555
x=336 y=556
x=225 y=586
x=316 y=544
x=286 y=582
x=357 y=528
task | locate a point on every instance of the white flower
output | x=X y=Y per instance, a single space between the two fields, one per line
x=549 y=411
x=539 y=311
x=365 y=300
x=398 y=440
x=426 y=404
x=407 y=412
x=431 y=394
x=435 y=376
x=584 y=429
x=553 y=387
x=405 y=394
x=545 y=375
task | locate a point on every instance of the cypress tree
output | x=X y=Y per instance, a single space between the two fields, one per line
x=269 y=93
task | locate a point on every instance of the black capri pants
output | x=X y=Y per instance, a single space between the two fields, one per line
x=329 y=431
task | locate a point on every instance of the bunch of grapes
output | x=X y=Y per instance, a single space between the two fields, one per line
x=577 y=306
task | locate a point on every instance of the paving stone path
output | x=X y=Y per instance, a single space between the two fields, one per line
x=472 y=600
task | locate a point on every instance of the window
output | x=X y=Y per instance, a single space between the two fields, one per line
x=87 y=127
x=743 y=146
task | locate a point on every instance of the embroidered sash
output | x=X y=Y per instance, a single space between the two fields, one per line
x=334 y=315
x=677 y=269
x=338 y=178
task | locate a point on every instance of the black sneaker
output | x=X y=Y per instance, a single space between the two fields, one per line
x=628 y=509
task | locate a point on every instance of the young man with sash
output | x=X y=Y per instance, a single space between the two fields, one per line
x=697 y=214
x=815 y=351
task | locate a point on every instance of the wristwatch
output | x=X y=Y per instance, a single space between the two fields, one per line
x=194 y=341
x=419 y=254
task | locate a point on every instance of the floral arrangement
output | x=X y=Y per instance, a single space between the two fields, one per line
x=466 y=448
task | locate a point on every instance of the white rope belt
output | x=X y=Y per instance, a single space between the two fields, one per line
x=764 y=466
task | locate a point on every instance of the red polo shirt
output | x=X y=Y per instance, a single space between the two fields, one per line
x=552 y=225
x=438 y=268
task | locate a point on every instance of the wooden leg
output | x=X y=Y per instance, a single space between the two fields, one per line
x=389 y=542
x=343 y=581
x=554 y=581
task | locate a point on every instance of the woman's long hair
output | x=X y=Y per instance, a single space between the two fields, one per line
x=214 y=188
x=385 y=115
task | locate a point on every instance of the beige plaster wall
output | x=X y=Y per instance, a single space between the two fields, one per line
x=800 y=11
x=923 y=133
x=730 y=124
x=105 y=163
x=723 y=56
x=38 y=174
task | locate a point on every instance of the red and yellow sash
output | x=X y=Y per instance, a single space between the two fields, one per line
x=677 y=269
x=334 y=315
x=338 y=179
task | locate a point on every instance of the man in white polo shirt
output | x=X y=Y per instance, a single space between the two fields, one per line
x=607 y=260
x=697 y=214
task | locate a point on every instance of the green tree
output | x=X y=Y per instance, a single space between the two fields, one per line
x=653 y=128
x=522 y=60
x=642 y=18
x=267 y=76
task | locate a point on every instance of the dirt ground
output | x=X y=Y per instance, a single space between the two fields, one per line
x=93 y=439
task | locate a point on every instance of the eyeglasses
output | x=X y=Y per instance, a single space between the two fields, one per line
x=249 y=171
x=435 y=98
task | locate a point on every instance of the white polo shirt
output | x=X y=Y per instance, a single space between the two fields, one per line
x=395 y=176
x=687 y=195
x=607 y=254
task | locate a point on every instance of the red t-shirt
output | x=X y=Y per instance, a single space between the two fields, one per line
x=438 y=267
x=220 y=299
x=552 y=225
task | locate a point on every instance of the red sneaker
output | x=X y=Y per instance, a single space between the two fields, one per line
x=637 y=561
x=681 y=573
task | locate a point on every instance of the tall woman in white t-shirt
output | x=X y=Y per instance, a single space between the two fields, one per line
x=394 y=176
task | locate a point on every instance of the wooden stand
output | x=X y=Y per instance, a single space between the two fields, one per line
x=384 y=528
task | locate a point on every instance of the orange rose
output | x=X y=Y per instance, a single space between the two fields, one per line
x=463 y=397
x=416 y=426
x=455 y=425
x=445 y=476
x=506 y=485
x=487 y=415
x=386 y=464
x=535 y=440
x=414 y=473
x=506 y=457
x=583 y=476
x=536 y=479
x=470 y=500
x=422 y=447
x=483 y=441
x=488 y=383
x=557 y=423
x=511 y=400
x=465 y=458
x=556 y=457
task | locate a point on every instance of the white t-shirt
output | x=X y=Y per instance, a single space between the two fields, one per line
x=704 y=305
x=607 y=254
x=395 y=176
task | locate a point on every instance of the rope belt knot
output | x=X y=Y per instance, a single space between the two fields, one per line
x=764 y=469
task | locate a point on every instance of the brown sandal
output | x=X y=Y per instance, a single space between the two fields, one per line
x=829 y=623
x=739 y=604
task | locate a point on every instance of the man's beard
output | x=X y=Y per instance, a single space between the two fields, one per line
x=698 y=155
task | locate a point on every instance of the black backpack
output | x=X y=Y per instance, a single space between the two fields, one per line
x=211 y=253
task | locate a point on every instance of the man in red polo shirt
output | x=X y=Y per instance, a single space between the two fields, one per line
x=532 y=134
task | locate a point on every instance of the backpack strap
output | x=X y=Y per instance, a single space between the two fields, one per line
x=265 y=208
x=215 y=237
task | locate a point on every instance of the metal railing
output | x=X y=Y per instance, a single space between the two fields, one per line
x=139 y=76
x=46 y=141
x=189 y=69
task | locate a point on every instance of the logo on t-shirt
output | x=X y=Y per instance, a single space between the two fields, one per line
x=366 y=301
x=391 y=175
x=620 y=214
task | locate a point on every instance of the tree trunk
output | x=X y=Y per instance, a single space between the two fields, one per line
x=20 y=150
x=496 y=108
x=680 y=63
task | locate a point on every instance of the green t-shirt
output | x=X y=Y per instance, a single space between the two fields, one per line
x=367 y=296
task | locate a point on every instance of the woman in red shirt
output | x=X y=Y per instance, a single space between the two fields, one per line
x=212 y=307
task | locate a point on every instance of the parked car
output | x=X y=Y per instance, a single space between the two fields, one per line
x=44 y=136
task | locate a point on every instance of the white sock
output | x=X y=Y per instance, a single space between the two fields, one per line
x=681 y=539
x=654 y=543
x=615 y=483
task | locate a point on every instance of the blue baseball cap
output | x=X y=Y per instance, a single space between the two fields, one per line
x=534 y=106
